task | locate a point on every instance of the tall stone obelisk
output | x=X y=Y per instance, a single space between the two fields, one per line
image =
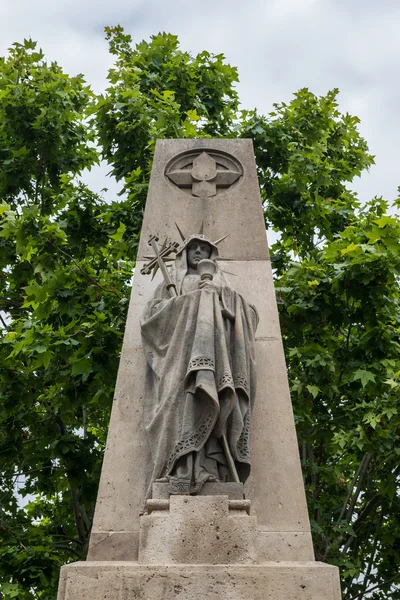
x=192 y=547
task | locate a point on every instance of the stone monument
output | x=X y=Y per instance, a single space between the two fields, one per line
x=201 y=492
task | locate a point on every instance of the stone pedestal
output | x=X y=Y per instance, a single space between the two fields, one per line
x=114 y=580
x=198 y=530
x=218 y=544
x=197 y=548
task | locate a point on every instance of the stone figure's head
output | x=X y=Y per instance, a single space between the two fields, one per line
x=197 y=247
x=196 y=251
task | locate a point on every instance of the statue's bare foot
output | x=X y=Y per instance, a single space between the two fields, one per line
x=213 y=479
x=162 y=480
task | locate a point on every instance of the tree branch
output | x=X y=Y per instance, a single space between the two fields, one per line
x=81 y=528
x=66 y=538
x=350 y=510
x=363 y=470
x=375 y=587
x=372 y=557
x=350 y=327
x=370 y=507
x=18 y=305
x=2 y=320
x=84 y=416
x=12 y=474
x=349 y=493
x=96 y=283
x=69 y=549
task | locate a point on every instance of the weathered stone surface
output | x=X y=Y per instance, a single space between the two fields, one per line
x=199 y=346
x=120 y=545
x=275 y=486
x=237 y=210
x=252 y=279
x=198 y=530
x=122 y=485
x=284 y=545
x=234 y=491
x=267 y=581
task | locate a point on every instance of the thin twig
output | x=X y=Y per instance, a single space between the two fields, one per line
x=96 y=283
x=28 y=472
x=363 y=470
x=18 y=305
x=349 y=493
x=369 y=508
x=350 y=510
x=350 y=327
x=69 y=549
x=84 y=415
x=371 y=561
x=375 y=587
x=66 y=538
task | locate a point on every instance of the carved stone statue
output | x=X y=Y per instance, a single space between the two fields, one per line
x=201 y=376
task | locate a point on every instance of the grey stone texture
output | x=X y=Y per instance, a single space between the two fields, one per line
x=200 y=349
x=196 y=548
x=234 y=491
x=199 y=530
x=275 y=486
x=132 y=557
x=129 y=581
x=237 y=210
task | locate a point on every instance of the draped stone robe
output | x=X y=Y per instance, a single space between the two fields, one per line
x=200 y=381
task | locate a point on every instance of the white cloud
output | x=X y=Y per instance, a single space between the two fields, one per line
x=279 y=46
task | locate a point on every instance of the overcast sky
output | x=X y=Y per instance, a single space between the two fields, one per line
x=279 y=46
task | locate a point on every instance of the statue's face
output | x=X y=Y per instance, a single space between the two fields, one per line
x=196 y=251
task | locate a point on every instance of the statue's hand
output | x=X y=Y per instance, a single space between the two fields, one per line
x=212 y=286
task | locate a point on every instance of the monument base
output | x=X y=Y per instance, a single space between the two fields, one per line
x=130 y=581
x=201 y=529
x=197 y=548
x=198 y=530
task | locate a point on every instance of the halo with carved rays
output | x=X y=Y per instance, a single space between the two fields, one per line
x=167 y=258
x=198 y=236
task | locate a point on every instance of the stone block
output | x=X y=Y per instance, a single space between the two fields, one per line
x=198 y=530
x=114 y=545
x=284 y=545
x=275 y=486
x=236 y=211
x=132 y=581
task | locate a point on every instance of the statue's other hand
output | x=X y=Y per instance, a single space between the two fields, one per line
x=212 y=286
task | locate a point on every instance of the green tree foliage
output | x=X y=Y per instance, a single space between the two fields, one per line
x=158 y=91
x=66 y=263
x=63 y=290
x=337 y=264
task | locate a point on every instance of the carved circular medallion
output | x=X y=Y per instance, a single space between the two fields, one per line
x=203 y=173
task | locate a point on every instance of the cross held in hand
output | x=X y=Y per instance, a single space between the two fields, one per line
x=169 y=247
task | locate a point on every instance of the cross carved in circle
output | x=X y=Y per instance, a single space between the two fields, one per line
x=204 y=177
